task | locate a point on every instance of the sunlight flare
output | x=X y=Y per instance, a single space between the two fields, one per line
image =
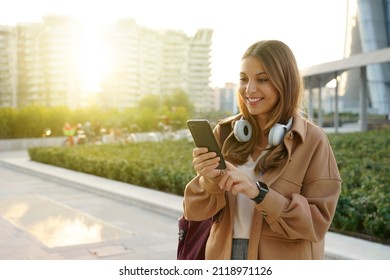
x=93 y=60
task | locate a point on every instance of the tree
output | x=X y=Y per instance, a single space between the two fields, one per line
x=179 y=98
x=151 y=101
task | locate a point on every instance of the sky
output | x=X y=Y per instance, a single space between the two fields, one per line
x=314 y=29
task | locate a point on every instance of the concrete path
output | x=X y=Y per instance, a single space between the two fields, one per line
x=66 y=221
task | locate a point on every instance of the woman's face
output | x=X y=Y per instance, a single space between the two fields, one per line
x=259 y=94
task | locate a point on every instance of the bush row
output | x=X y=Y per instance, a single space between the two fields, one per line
x=363 y=208
x=364 y=163
x=163 y=166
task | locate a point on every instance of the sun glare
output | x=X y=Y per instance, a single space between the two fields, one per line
x=93 y=60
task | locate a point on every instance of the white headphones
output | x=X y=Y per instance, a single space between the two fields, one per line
x=277 y=132
x=243 y=131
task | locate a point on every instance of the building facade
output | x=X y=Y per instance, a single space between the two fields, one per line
x=8 y=77
x=227 y=98
x=47 y=68
x=40 y=64
x=146 y=61
x=368 y=29
x=121 y=86
x=199 y=71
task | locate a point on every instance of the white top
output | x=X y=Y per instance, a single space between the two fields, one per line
x=244 y=205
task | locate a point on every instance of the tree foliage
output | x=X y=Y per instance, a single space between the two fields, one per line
x=31 y=121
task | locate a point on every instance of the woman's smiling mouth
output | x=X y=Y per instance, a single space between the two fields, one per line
x=254 y=100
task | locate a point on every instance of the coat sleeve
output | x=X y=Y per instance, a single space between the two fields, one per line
x=307 y=213
x=202 y=200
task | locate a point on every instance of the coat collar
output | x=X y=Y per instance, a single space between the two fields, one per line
x=299 y=128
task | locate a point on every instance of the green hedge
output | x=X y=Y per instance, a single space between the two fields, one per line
x=364 y=163
x=363 y=159
x=163 y=166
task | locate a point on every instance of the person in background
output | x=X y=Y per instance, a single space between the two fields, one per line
x=278 y=195
x=69 y=132
x=89 y=133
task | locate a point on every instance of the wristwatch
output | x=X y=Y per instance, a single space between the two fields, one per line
x=263 y=190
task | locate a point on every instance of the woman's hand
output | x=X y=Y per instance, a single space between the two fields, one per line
x=237 y=182
x=205 y=163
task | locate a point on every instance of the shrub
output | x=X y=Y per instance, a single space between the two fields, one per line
x=364 y=205
x=163 y=166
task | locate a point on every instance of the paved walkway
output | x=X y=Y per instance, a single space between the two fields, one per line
x=72 y=215
x=72 y=221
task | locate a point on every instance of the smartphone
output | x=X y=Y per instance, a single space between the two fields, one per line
x=204 y=137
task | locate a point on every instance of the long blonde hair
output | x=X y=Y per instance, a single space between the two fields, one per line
x=280 y=65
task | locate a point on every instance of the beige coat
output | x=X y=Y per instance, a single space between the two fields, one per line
x=294 y=217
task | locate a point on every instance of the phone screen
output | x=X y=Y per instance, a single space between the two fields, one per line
x=204 y=137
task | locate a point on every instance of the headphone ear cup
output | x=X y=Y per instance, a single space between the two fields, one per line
x=276 y=134
x=242 y=130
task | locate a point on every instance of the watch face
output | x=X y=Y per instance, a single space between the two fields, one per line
x=263 y=190
x=262 y=186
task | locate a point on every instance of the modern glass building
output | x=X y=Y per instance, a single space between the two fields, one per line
x=368 y=29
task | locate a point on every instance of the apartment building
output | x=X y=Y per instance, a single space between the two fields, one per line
x=174 y=71
x=147 y=61
x=199 y=71
x=8 y=77
x=45 y=67
x=121 y=85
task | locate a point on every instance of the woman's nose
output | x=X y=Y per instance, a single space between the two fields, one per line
x=251 y=87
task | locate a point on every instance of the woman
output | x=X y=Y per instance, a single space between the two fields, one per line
x=277 y=197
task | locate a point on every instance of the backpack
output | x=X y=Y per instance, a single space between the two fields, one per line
x=193 y=236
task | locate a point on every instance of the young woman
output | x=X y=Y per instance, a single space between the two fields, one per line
x=277 y=197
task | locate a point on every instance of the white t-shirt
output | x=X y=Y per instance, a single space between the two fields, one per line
x=244 y=205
